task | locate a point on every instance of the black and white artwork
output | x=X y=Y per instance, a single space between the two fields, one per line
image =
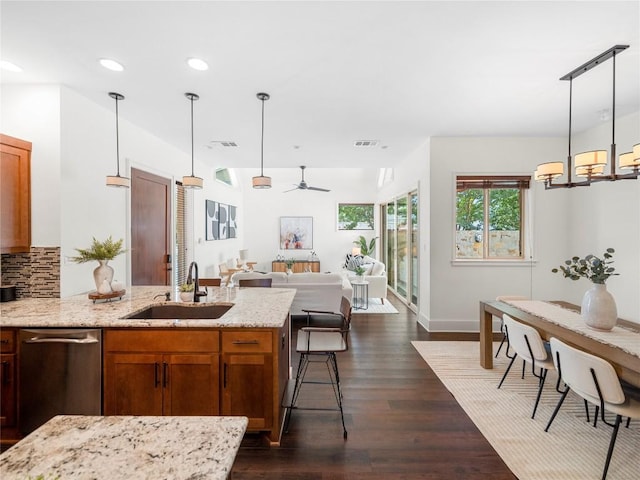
x=221 y=220
x=211 y=212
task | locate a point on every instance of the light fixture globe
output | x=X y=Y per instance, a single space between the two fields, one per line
x=262 y=182
x=116 y=180
x=191 y=181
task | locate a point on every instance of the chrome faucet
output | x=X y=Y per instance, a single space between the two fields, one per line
x=196 y=288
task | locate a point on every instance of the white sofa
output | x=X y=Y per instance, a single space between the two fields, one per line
x=314 y=291
x=375 y=274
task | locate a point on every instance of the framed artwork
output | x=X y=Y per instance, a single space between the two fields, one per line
x=221 y=220
x=355 y=216
x=211 y=212
x=296 y=233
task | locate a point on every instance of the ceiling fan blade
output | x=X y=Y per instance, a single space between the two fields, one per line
x=318 y=189
x=291 y=190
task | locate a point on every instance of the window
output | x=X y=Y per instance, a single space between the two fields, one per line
x=490 y=217
x=224 y=175
x=355 y=216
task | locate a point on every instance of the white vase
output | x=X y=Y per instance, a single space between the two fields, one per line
x=289 y=272
x=599 y=308
x=102 y=273
x=186 y=296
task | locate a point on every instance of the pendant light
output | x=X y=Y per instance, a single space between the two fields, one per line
x=116 y=180
x=262 y=181
x=592 y=164
x=191 y=181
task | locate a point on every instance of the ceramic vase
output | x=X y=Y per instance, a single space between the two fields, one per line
x=102 y=273
x=289 y=272
x=599 y=308
x=186 y=296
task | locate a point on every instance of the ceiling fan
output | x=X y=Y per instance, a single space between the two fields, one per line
x=303 y=185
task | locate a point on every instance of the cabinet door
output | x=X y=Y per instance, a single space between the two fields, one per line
x=190 y=384
x=133 y=384
x=8 y=390
x=15 y=195
x=248 y=388
x=278 y=267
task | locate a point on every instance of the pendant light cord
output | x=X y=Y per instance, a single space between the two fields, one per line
x=117 y=140
x=262 y=142
x=192 y=170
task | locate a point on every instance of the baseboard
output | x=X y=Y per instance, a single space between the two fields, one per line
x=453 y=325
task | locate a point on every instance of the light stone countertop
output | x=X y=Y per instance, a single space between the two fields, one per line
x=252 y=308
x=113 y=448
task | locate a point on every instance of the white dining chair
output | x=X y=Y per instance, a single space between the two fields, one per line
x=503 y=298
x=526 y=342
x=596 y=381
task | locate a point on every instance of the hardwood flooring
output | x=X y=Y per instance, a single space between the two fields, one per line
x=402 y=422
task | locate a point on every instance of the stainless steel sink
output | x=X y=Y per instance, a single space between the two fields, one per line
x=182 y=312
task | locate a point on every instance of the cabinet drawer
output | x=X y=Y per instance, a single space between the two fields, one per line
x=7 y=341
x=246 y=341
x=171 y=340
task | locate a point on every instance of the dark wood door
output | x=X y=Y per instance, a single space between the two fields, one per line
x=248 y=388
x=8 y=390
x=150 y=229
x=133 y=384
x=191 y=384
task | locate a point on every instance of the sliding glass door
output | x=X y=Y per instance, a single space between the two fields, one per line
x=400 y=246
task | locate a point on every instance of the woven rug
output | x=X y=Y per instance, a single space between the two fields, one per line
x=572 y=449
x=376 y=306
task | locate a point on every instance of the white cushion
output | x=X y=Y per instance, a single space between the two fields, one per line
x=378 y=268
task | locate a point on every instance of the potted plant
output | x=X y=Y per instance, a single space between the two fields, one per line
x=186 y=292
x=366 y=248
x=598 y=306
x=359 y=271
x=101 y=252
x=289 y=263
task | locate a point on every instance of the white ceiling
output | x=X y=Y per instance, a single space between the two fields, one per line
x=395 y=72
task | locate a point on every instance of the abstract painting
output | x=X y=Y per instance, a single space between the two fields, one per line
x=296 y=233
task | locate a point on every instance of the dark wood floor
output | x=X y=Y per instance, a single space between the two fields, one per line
x=402 y=422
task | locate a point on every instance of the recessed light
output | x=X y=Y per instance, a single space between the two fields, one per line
x=9 y=67
x=111 y=64
x=198 y=64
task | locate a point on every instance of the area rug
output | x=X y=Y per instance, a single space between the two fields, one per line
x=572 y=449
x=376 y=306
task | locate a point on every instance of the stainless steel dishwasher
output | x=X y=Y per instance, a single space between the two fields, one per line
x=60 y=373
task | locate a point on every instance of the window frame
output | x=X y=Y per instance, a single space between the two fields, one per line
x=359 y=204
x=486 y=183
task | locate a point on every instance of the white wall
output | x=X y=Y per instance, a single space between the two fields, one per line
x=607 y=214
x=263 y=209
x=456 y=289
x=73 y=151
x=33 y=114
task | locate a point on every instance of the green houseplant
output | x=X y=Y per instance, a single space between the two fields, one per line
x=366 y=248
x=289 y=263
x=102 y=252
x=598 y=307
x=186 y=291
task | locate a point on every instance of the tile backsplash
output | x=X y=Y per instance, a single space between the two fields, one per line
x=35 y=274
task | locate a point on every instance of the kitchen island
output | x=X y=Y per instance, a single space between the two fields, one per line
x=113 y=448
x=237 y=364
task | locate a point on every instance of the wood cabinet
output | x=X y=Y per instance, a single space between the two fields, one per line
x=161 y=372
x=299 y=267
x=15 y=195
x=247 y=384
x=8 y=386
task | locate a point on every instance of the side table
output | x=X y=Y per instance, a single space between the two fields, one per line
x=360 y=295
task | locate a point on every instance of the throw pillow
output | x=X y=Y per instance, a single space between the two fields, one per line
x=377 y=269
x=353 y=261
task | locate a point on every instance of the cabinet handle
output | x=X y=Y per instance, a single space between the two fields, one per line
x=165 y=374
x=4 y=341
x=245 y=342
x=224 y=376
x=156 y=372
x=6 y=380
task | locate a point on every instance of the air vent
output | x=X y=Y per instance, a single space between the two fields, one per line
x=365 y=143
x=222 y=143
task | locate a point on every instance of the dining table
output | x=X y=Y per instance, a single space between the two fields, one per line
x=619 y=346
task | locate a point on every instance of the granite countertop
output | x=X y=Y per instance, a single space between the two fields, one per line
x=252 y=308
x=88 y=447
